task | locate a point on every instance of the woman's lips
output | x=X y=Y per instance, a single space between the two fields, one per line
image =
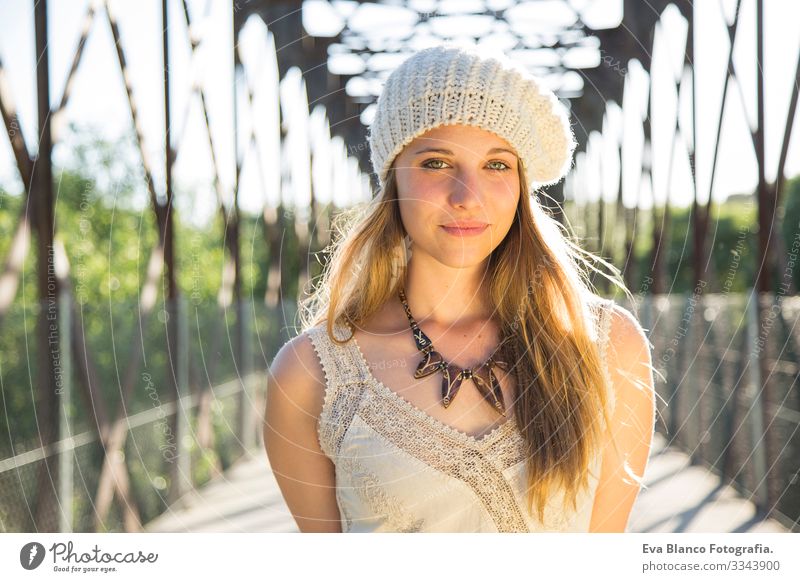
x=465 y=231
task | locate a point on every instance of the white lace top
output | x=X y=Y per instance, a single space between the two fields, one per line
x=398 y=469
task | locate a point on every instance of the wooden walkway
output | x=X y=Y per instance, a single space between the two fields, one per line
x=678 y=498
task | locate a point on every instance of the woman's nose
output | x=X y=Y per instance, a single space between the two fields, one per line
x=466 y=189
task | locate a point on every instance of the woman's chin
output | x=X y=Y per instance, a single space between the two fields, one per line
x=459 y=260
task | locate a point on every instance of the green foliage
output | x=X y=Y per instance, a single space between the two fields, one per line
x=791 y=226
x=732 y=241
x=106 y=225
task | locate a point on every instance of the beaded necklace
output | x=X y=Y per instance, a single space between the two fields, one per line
x=432 y=362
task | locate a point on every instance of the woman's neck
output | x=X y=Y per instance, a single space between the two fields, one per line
x=445 y=296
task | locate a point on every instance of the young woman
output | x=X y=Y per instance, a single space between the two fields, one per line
x=455 y=372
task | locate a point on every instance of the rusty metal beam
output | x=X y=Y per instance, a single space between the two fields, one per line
x=166 y=218
x=123 y=65
x=730 y=75
x=700 y=212
x=766 y=199
x=659 y=222
x=167 y=223
x=14 y=130
x=232 y=231
x=767 y=214
x=58 y=114
x=48 y=401
x=198 y=89
x=273 y=218
x=789 y=125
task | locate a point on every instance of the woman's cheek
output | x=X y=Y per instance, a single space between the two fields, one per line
x=412 y=213
x=418 y=201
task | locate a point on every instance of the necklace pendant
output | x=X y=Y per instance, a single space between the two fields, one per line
x=452 y=377
x=431 y=363
x=489 y=387
x=451 y=382
x=423 y=341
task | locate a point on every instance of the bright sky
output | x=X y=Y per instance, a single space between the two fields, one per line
x=98 y=100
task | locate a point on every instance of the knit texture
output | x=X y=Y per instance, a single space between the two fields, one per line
x=455 y=85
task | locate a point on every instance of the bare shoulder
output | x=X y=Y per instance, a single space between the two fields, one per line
x=629 y=361
x=627 y=339
x=296 y=374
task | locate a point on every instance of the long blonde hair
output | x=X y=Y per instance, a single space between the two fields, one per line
x=539 y=287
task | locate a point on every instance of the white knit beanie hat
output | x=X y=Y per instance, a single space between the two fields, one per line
x=447 y=85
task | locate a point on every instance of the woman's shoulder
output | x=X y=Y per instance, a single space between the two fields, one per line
x=296 y=371
x=304 y=357
x=623 y=327
x=628 y=357
x=621 y=339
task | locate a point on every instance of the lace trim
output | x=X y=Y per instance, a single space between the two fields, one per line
x=502 y=443
x=368 y=487
x=465 y=438
x=446 y=452
x=344 y=387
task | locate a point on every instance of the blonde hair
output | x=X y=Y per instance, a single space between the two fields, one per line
x=538 y=285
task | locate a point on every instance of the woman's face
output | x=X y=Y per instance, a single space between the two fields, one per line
x=458 y=188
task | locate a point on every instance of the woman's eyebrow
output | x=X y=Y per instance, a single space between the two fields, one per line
x=449 y=153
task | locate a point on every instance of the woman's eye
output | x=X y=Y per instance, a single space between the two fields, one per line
x=498 y=165
x=428 y=165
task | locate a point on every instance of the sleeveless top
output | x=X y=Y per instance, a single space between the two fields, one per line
x=398 y=469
